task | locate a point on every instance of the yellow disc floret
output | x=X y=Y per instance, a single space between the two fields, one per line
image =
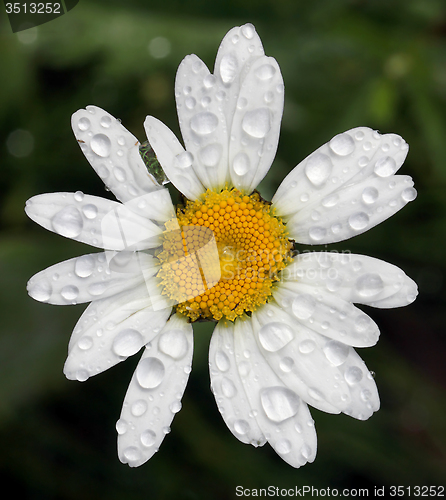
x=221 y=255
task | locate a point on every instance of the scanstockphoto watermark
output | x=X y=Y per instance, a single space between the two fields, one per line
x=27 y=14
x=372 y=492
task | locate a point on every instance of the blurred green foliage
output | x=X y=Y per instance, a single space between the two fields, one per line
x=345 y=63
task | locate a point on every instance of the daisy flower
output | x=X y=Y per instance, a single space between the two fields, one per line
x=285 y=323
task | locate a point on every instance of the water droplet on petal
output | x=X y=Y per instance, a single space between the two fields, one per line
x=279 y=403
x=139 y=407
x=101 y=145
x=79 y=195
x=369 y=284
x=106 y=121
x=342 y=144
x=190 y=102
x=209 y=81
x=241 y=164
x=353 y=375
x=90 y=211
x=148 y=438
x=204 y=123
x=84 y=266
x=318 y=169
x=68 y=222
x=41 y=290
x=150 y=373
x=336 y=352
x=175 y=407
x=174 y=343
x=385 y=166
x=307 y=346
x=370 y=195
x=119 y=174
x=127 y=342
x=84 y=124
x=228 y=388
x=85 y=343
x=265 y=72
x=274 y=336
x=330 y=201
x=69 y=292
x=317 y=233
x=228 y=68
x=248 y=31
x=210 y=155
x=409 y=194
x=303 y=306
x=358 y=221
x=222 y=361
x=184 y=160
x=121 y=426
x=132 y=454
x=286 y=364
x=257 y=123
x=241 y=427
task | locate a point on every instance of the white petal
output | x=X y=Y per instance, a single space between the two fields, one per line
x=175 y=161
x=202 y=122
x=228 y=389
x=358 y=157
x=351 y=210
x=96 y=221
x=110 y=330
x=327 y=314
x=113 y=152
x=331 y=371
x=238 y=50
x=155 y=391
x=256 y=124
x=91 y=277
x=354 y=278
x=281 y=415
x=156 y=205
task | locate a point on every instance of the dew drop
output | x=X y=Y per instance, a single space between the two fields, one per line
x=85 y=343
x=105 y=121
x=190 y=103
x=121 y=426
x=79 y=195
x=148 y=438
x=119 y=174
x=369 y=285
x=336 y=352
x=353 y=375
x=101 y=145
x=222 y=361
x=228 y=68
x=268 y=97
x=84 y=266
x=274 y=336
x=209 y=81
x=175 y=407
x=127 y=342
x=359 y=135
x=370 y=195
x=84 y=124
x=286 y=364
x=82 y=375
x=318 y=169
x=150 y=373
x=265 y=72
x=174 y=343
x=68 y=222
x=358 y=221
x=307 y=346
x=41 y=290
x=90 y=211
x=139 y=407
x=257 y=123
x=184 y=160
x=409 y=194
x=342 y=144
x=204 y=123
x=303 y=306
x=210 y=155
x=317 y=233
x=132 y=454
x=241 y=427
x=228 y=388
x=330 y=201
x=248 y=31
x=279 y=403
x=241 y=164
x=69 y=292
x=283 y=446
x=385 y=166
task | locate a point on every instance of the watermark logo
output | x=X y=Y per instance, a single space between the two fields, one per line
x=28 y=14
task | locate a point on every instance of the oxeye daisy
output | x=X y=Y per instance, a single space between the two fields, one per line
x=285 y=323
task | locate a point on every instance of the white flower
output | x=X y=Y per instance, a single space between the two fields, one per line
x=286 y=326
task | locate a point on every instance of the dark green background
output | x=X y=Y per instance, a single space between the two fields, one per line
x=345 y=63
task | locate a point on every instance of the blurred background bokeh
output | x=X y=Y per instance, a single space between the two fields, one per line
x=345 y=63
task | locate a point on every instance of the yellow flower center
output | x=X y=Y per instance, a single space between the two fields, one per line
x=221 y=255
